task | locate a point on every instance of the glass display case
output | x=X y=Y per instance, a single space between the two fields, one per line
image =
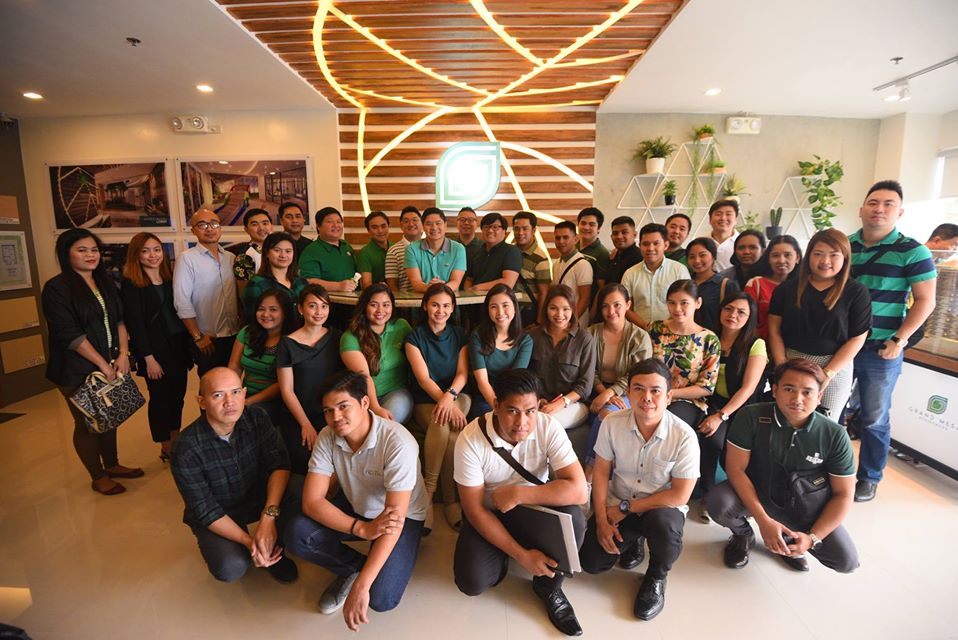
x=924 y=411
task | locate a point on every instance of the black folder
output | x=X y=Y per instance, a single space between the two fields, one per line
x=550 y=532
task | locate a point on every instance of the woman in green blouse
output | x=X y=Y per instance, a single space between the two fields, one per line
x=373 y=346
x=254 y=352
x=279 y=270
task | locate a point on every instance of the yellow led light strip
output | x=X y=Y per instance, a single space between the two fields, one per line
x=598 y=29
x=402 y=136
x=505 y=161
x=537 y=107
x=582 y=62
x=399 y=55
x=500 y=31
x=373 y=94
x=359 y=161
x=571 y=87
x=318 y=21
x=552 y=162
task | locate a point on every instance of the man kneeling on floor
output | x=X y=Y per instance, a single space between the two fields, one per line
x=490 y=453
x=793 y=469
x=653 y=460
x=232 y=469
x=382 y=498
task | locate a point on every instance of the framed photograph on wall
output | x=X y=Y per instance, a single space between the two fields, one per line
x=232 y=187
x=111 y=195
x=14 y=265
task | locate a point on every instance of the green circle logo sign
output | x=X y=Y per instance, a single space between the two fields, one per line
x=467 y=175
x=937 y=404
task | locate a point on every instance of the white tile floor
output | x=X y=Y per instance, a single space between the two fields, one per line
x=76 y=565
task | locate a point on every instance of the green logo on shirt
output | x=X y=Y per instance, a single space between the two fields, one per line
x=467 y=175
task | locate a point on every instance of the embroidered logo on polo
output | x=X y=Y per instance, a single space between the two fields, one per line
x=815 y=459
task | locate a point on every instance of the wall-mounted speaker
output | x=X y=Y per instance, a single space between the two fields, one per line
x=193 y=124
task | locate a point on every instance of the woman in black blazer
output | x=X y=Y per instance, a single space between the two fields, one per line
x=85 y=321
x=161 y=344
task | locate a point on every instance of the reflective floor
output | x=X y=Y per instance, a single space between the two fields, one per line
x=76 y=565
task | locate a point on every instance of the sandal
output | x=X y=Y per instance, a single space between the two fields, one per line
x=116 y=489
x=119 y=471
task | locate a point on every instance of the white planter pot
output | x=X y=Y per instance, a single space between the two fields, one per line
x=655 y=165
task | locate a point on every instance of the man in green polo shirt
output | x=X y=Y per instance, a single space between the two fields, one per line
x=589 y=222
x=891 y=265
x=435 y=258
x=497 y=262
x=767 y=444
x=371 y=259
x=328 y=260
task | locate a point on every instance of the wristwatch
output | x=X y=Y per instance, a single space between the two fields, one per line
x=830 y=373
x=624 y=506
x=272 y=510
x=724 y=416
x=901 y=342
x=566 y=401
x=197 y=337
x=816 y=541
x=451 y=391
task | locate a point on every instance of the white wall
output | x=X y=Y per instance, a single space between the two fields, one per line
x=762 y=162
x=246 y=135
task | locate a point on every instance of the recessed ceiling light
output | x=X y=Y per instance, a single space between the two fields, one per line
x=714 y=91
x=891 y=97
x=204 y=88
x=32 y=95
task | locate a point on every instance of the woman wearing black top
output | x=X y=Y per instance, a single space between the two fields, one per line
x=85 y=321
x=161 y=344
x=749 y=247
x=823 y=316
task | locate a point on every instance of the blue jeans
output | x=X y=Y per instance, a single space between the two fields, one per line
x=595 y=423
x=321 y=545
x=398 y=403
x=876 y=381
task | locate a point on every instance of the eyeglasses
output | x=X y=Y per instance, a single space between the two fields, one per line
x=494 y=227
x=203 y=226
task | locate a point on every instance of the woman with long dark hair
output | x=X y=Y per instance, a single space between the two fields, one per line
x=823 y=315
x=497 y=344
x=749 y=247
x=160 y=342
x=84 y=317
x=772 y=269
x=438 y=358
x=563 y=354
x=740 y=376
x=254 y=352
x=373 y=346
x=306 y=357
x=278 y=270
x=689 y=350
x=713 y=287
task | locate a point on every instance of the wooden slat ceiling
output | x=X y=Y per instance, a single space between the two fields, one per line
x=452 y=39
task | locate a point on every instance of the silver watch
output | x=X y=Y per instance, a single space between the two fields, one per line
x=816 y=541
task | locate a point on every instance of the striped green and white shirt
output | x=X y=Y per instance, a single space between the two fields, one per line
x=904 y=261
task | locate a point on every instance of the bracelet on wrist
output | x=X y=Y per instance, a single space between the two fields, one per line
x=352 y=529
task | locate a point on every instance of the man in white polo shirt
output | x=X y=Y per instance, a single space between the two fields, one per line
x=491 y=490
x=649 y=280
x=382 y=499
x=653 y=459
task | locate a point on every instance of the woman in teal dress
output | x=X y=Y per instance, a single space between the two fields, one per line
x=279 y=270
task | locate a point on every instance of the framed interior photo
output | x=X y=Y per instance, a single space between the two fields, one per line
x=14 y=265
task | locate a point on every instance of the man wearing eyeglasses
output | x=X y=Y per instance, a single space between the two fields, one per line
x=204 y=293
x=232 y=469
x=496 y=262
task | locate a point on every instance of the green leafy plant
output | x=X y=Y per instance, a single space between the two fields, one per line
x=715 y=166
x=749 y=222
x=818 y=176
x=660 y=147
x=669 y=189
x=705 y=131
x=733 y=187
x=775 y=217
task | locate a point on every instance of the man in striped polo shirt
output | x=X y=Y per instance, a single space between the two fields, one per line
x=891 y=265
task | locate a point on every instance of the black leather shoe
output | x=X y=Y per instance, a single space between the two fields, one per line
x=633 y=555
x=795 y=563
x=284 y=571
x=865 y=490
x=736 y=551
x=651 y=598
x=561 y=613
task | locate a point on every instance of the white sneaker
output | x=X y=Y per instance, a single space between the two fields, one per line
x=335 y=594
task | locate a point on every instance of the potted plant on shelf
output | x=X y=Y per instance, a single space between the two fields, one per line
x=655 y=151
x=749 y=222
x=669 y=190
x=818 y=176
x=775 y=223
x=705 y=132
x=715 y=166
x=733 y=188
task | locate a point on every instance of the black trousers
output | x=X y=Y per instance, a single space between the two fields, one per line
x=478 y=564
x=662 y=528
x=222 y=347
x=165 y=409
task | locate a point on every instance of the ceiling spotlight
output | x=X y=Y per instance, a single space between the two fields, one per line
x=222 y=161
x=204 y=88
x=32 y=95
x=714 y=91
x=902 y=95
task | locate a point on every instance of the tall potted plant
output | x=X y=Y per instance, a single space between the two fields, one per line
x=818 y=176
x=733 y=188
x=775 y=223
x=655 y=151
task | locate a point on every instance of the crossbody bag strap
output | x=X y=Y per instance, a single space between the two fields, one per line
x=568 y=267
x=512 y=462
